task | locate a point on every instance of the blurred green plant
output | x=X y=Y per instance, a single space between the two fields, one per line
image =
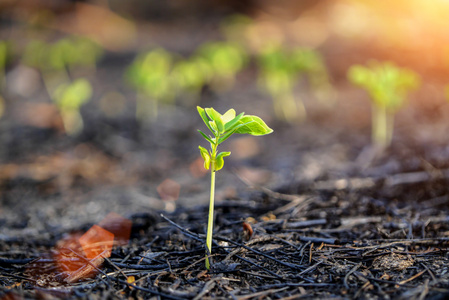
x=69 y=97
x=279 y=71
x=190 y=76
x=222 y=127
x=59 y=61
x=226 y=60
x=149 y=74
x=310 y=63
x=5 y=55
x=84 y=53
x=2 y=106
x=387 y=86
x=277 y=76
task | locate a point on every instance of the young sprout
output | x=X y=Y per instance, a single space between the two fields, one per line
x=69 y=98
x=277 y=76
x=387 y=85
x=58 y=61
x=4 y=53
x=190 y=75
x=311 y=64
x=222 y=127
x=149 y=74
x=226 y=59
x=84 y=53
x=47 y=59
x=281 y=68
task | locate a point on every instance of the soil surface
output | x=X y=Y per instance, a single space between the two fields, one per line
x=312 y=210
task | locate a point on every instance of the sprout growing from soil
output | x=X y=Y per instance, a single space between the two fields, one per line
x=149 y=74
x=5 y=52
x=59 y=61
x=225 y=59
x=69 y=98
x=222 y=127
x=281 y=68
x=190 y=75
x=387 y=85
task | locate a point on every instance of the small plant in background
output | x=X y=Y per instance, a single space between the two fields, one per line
x=190 y=75
x=280 y=69
x=222 y=127
x=388 y=86
x=310 y=63
x=59 y=61
x=277 y=76
x=149 y=74
x=5 y=51
x=69 y=98
x=225 y=59
x=84 y=54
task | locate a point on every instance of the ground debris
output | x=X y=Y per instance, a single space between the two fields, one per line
x=329 y=248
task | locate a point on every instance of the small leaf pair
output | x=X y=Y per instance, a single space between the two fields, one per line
x=219 y=162
x=223 y=126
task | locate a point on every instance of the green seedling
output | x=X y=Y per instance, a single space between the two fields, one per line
x=280 y=69
x=310 y=63
x=277 y=76
x=49 y=60
x=58 y=61
x=387 y=86
x=222 y=127
x=226 y=60
x=84 y=54
x=4 y=55
x=5 y=52
x=149 y=74
x=190 y=75
x=69 y=98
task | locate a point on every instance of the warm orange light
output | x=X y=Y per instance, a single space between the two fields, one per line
x=119 y=226
x=412 y=33
x=80 y=256
x=67 y=250
x=97 y=241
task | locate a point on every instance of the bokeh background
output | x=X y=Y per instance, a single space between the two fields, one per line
x=98 y=98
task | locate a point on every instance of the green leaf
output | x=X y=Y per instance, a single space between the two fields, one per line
x=219 y=162
x=203 y=115
x=206 y=137
x=206 y=157
x=232 y=123
x=213 y=125
x=73 y=95
x=253 y=125
x=217 y=118
x=228 y=116
x=225 y=136
x=230 y=132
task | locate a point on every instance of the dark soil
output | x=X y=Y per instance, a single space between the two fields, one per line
x=330 y=216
